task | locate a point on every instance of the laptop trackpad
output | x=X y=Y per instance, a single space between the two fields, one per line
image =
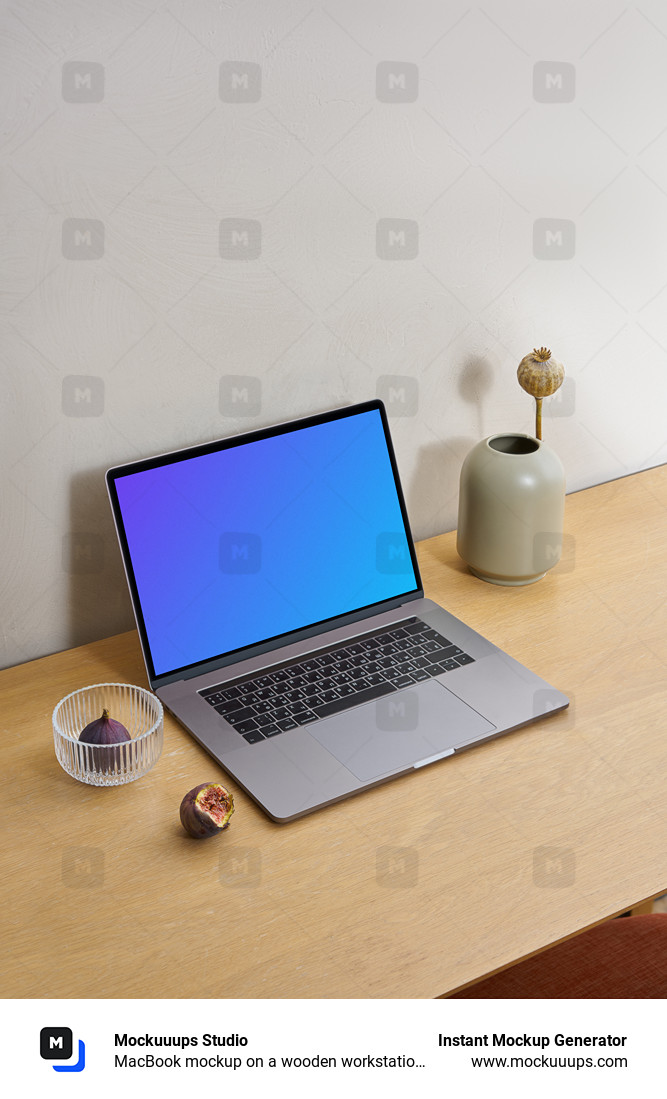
x=400 y=729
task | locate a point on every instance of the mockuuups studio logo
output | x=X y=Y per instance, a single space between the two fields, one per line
x=240 y=82
x=240 y=552
x=553 y=82
x=397 y=713
x=82 y=238
x=240 y=867
x=396 y=239
x=240 y=239
x=562 y=402
x=396 y=867
x=553 y=548
x=399 y=394
x=396 y=82
x=240 y=395
x=392 y=555
x=83 y=82
x=83 y=867
x=553 y=238
x=82 y=395
x=82 y=552
x=553 y=867
x=56 y=1044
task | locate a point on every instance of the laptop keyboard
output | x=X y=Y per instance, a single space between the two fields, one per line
x=334 y=679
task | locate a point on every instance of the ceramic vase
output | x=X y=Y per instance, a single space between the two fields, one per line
x=512 y=494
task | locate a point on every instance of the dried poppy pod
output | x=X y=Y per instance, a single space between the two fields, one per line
x=540 y=375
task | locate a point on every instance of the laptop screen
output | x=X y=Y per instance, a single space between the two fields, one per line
x=247 y=540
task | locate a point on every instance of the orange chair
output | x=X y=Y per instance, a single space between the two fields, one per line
x=622 y=959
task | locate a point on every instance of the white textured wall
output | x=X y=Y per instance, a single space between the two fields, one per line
x=329 y=202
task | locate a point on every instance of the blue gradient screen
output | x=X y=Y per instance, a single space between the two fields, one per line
x=245 y=544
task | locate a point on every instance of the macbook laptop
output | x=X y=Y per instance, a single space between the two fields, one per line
x=282 y=618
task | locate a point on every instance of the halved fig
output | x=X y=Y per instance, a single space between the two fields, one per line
x=206 y=810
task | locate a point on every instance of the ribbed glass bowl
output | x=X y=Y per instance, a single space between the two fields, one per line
x=108 y=765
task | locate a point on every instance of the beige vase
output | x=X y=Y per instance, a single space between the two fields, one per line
x=511 y=499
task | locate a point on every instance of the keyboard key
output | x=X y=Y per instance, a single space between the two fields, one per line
x=280 y=676
x=286 y=723
x=262 y=707
x=376 y=678
x=420 y=676
x=305 y=719
x=354 y=650
x=416 y=627
x=463 y=658
x=263 y=681
x=309 y=665
x=271 y=730
x=225 y=708
x=450 y=666
x=407 y=667
x=345 y=689
x=404 y=681
x=397 y=635
x=239 y=715
x=325 y=696
x=262 y=720
x=245 y=726
x=254 y=737
x=294 y=696
x=443 y=654
x=341 y=704
x=261 y=694
x=361 y=684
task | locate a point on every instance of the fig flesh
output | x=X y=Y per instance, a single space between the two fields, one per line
x=104 y=731
x=206 y=810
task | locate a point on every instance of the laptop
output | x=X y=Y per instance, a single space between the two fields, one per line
x=282 y=617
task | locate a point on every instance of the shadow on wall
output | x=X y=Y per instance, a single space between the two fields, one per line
x=475 y=380
x=434 y=488
x=433 y=493
x=99 y=603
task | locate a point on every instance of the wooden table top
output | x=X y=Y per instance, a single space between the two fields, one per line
x=412 y=889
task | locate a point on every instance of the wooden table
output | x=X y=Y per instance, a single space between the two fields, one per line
x=412 y=889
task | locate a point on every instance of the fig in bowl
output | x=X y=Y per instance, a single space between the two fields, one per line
x=206 y=810
x=117 y=747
